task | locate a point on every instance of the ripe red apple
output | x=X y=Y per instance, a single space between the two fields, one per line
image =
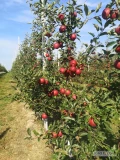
x=54 y=135
x=67 y=73
x=49 y=58
x=74 y=96
x=62 y=90
x=117 y=49
x=72 y=69
x=106 y=13
x=74 y=14
x=61 y=44
x=46 y=81
x=73 y=36
x=47 y=55
x=65 y=112
x=44 y=116
x=62 y=28
x=67 y=92
x=117 y=30
x=73 y=63
x=55 y=92
x=78 y=71
x=56 y=45
x=60 y=134
x=61 y=16
x=42 y=80
x=62 y=70
x=49 y=94
x=91 y=122
x=114 y=14
x=117 y=64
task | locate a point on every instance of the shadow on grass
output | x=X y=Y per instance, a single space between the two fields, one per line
x=4 y=133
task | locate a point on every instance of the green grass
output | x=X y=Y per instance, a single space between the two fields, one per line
x=6 y=94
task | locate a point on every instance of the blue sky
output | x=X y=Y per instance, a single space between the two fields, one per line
x=14 y=16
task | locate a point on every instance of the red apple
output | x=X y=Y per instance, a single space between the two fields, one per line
x=61 y=44
x=117 y=49
x=73 y=36
x=49 y=93
x=73 y=63
x=44 y=116
x=117 y=64
x=117 y=30
x=62 y=70
x=56 y=45
x=65 y=112
x=72 y=69
x=42 y=80
x=49 y=58
x=55 y=92
x=114 y=14
x=54 y=135
x=60 y=134
x=91 y=122
x=74 y=96
x=67 y=73
x=106 y=13
x=47 y=55
x=74 y=14
x=78 y=71
x=62 y=90
x=67 y=92
x=61 y=16
x=46 y=81
x=62 y=28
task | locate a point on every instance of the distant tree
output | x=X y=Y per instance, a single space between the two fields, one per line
x=3 y=69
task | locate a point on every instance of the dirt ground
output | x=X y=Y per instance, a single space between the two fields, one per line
x=15 y=119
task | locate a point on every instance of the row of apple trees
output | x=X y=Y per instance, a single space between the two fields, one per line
x=78 y=93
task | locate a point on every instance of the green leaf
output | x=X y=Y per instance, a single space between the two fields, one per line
x=103 y=33
x=35 y=132
x=96 y=26
x=92 y=34
x=110 y=43
x=91 y=11
x=29 y=131
x=107 y=23
x=99 y=20
x=98 y=7
x=86 y=9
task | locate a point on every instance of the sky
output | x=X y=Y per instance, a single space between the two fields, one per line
x=14 y=18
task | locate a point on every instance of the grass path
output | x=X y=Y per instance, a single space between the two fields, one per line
x=15 y=118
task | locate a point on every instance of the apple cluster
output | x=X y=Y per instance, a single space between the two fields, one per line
x=110 y=13
x=72 y=70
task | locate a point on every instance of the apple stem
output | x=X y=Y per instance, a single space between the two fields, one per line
x=69 y=152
